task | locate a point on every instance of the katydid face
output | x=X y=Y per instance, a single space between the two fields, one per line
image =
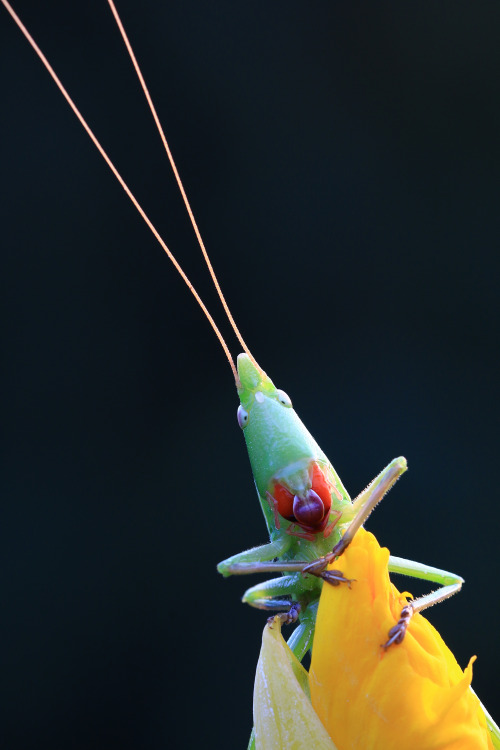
x=293 y=476
x=308 y=507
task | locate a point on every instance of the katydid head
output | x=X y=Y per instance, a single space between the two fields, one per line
x=294 y=478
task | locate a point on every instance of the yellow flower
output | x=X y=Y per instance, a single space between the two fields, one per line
x=413 y=695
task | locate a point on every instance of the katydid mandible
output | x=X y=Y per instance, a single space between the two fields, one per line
x=309 y=514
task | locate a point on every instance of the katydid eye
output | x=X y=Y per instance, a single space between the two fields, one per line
x=283 y=398
x=242 y=417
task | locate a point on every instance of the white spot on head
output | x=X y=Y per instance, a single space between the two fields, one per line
x=259 y=397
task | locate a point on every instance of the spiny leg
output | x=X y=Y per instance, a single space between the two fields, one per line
x=282 y=594
x=398 y=632
x=278 y=594
x=364 y=504
x=249 y=562
x=233 y=566
x=286 y=593
x=268 y=596
x=450 y=584
x=282 y=589
x=423 y=572
x=256 y=560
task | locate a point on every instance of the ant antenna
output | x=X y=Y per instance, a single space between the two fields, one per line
x=122 y=182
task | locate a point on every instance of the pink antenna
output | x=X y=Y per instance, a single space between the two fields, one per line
x=177 y=177
x=124 y=185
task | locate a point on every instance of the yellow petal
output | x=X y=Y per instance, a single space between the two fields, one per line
x=283 y=716
x=414 y=695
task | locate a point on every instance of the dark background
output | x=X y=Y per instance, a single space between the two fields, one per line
x=343 y=163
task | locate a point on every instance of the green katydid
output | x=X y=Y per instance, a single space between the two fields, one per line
x=303 y=523
x=309 y=515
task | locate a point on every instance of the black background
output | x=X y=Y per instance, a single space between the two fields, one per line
x=342 y=160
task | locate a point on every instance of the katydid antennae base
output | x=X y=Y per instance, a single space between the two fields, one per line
x=177 y=176
x=123 y=184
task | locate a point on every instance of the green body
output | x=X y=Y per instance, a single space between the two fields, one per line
x=281 y=448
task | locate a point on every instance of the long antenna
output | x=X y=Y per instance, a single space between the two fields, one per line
x=122 y=182
x=177 y=176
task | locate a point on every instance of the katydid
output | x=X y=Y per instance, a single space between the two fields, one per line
x=309 y=515
x=304 y=502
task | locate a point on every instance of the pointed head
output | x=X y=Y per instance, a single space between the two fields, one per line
x=276 y=439
x=255 y=387
x=294 y=478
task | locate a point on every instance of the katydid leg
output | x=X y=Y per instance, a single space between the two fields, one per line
x=363 y=506
x=424 y=572
x=276 y=591
x=450 y=584
x=287 y=592
x=270 y=595
x=256 y=560
x=302 y=637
